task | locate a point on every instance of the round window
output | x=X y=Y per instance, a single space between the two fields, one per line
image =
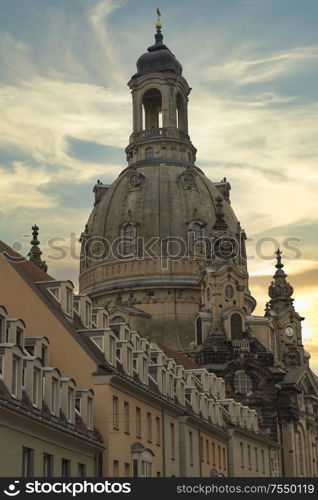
x=135 y=180
x=243 y=383
x=188 y=179
x=229 y=292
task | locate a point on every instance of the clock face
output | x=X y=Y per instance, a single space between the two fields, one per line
x=289 y=331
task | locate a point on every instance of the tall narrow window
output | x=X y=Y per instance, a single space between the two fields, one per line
x=115 y=468
x=158 y=431
x=90 y=413
x=300 y=455
x=191 y=448
x=44 y=354
x=236 y=326
x=263 y=461
x=55 y=396
x=249 y=457
x=256 y=459
x=207 y=451
x=138 y=422
x=126 y=417
x=19 y=337
x=224 y=458
x=115 y=413
x=66 y=467
x=36 y=386
x=15 y=374
x=149 y=427
x=81 y=472
x=129 y=236
x=27 y=462
x=69 y=301
x=47 y=465
x=201 y=449
x=197 y=238
x=199 y=331
x=242 y=455
x=152 y=105
x=70 y=404
x=219 y=457
x=213 y=454
x=173 y=444
x=149 y=153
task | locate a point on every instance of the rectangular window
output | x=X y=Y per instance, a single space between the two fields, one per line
x=81 y=470
x=164 y=383
x=213 y=454
x=127 y=470
x=126 y=417
x=249 y=457
x=256 y=459
x=224 y=458
x=1 y=364
x=36 y=386
x=149 y=427
x=54 y=396
x=115 y=468
x=2 y=329
x=19 y=337
x=112 y=350
x=105 y=321
x=135 y=468
x=202 y=449
x=158 y=431
x=207 y=447
x=129 y=361
x=27 y=462
x=173 y=444
x=115 y=413
x=47 y=465
x=69 y=302
x=15 y=374
x=242 y=455
x=88 y=314
x=144 y=370
x=138 y=422
x=90 y=413
x=66 y=467
x=191 y=447
x=219 y=457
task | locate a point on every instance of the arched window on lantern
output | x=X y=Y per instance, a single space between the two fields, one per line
x=199 y=338
x=149 y=153
x=129 y=237
x=236 y=326
x=152 y=107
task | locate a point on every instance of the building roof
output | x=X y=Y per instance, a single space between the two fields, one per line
x=180 y=358
x=25 y=408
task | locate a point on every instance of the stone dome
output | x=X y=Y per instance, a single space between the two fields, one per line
x=158 y=58
x=161 y=201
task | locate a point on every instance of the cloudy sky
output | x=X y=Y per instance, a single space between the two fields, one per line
x=66 y=116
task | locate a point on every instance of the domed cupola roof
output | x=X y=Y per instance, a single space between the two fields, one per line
x=158 y=58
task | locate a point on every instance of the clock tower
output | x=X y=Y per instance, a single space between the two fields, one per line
x=286 y=320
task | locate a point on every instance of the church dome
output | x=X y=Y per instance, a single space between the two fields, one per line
x=158 y=58
x=159 y=201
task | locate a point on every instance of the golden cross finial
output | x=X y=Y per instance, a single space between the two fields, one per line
x=158 y=23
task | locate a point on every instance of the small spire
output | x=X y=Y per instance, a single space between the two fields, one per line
x=35 y=252
x=279 y=264
x=158 y=23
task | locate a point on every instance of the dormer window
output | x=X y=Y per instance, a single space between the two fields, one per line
x=69 y=301
x=196 y=238
x=129 y=237
x=89 y=413
x=112 y=350
x=36 y=386
x=16 y=369
x=2 y=329
x=44 y=351
x=55 y=292
x=55 y=393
